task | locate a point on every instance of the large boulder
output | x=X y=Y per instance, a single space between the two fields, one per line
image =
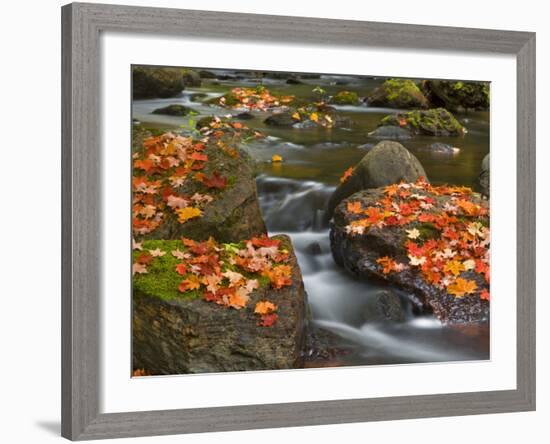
x=432 y=122
x=175 y=334
x=191 y=77
x=457 y=96
x=405 y=234
x=485 y=176
x=150 y=82
x=387 y=163
x=398 y=93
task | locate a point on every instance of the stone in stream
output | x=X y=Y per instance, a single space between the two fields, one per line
x=485 y=176
x=345 y=98
x=457 y=96
x=431 y=122
x=234 y=213
x=442 y=148
x=384 y=306
x=149 y=82
x=205 y=74
x=389 y=132
x=172 y=110
x=387 y=163
x=359 y=253
x=285 y=119
x=398 y=93
x=175 y=335
x=191 y=77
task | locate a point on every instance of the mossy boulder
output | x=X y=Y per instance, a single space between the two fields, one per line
x=398 y=93
x=191 y=77
x=307 y=117
x=359 y=254
x=173 y=110
x=229 y=100
x=151 y=82
x=177 y=334
x=233 y=215
x=458 y=96
x=432 y=122
x=345 y=98
x=387 y=163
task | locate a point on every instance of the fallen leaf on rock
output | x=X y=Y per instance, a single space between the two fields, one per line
x=138 y=268
x=265 y=307
x=462 y=287
x=184 y=214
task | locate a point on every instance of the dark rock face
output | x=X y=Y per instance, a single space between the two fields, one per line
x=398 y=93
x=458 y=96
x=293 y=81
x=485 y=176
x=384 y=306
x=149 y=82
x=172 y=110
x=358 y=255
x=388 y=162
x=390 y=133
x=280 y=119
x=244 y=116
x=233 y=215
x=195 y=336
x=431 y=122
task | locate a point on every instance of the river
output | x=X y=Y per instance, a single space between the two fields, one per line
x=293 y=196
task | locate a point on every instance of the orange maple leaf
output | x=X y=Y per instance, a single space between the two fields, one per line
x=265 y=307
x=462 y=287
x=347 y=175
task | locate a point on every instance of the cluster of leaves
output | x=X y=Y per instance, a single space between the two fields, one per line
x=166 y=163
x=317 y=112
x=258 y=98
x=446 y=237
x=224 y=274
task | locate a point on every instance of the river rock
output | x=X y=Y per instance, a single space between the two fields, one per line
x=149 y=82
x=284 y=119
x=358 y=255
x=345 y=98
x=432 y=122
x=398 y=93
x=191 y=77
x=457 y=96
x=384 y=306
x=387 y=163
x=485 y=176
x=442 y=148
x=390 y=132
x=293 y=81
x=233 y=215
x=172 y=110
x=244 y=116
x=198 y=97
x=177 y=335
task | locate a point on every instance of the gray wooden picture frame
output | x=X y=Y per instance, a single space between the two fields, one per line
x=81 y=231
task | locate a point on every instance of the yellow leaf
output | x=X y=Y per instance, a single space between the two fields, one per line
x=296 y=116
x=276 y=158
x=454 y=267
x=461 y=287
x=187 y=213
x=314 y=117
x=265 y=307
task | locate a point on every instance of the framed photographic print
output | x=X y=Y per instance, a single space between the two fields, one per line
x=278 y=221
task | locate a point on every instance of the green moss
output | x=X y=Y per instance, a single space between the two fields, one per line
x=345 y=98
x=436 y=121
x=161 y=280
x=428 y=231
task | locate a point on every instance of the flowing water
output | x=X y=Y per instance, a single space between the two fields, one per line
x=293 y=196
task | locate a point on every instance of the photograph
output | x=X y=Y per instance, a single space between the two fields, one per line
x=291 y=220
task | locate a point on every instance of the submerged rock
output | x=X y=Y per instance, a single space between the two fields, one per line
x=175 y=334
x=360 y=253
x=389 y=132
x=384 y=306
x=442 y=148
x=173 y=110
x=432 y=122
x=398 y=93
x=387 y=163
x=458 y=96
x=205 y=74
x=326 y=117
x=150 y=82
